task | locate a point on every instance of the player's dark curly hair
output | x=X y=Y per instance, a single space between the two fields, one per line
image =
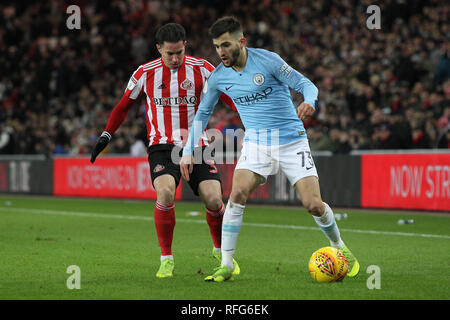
x=170 y=32
x=223 y=25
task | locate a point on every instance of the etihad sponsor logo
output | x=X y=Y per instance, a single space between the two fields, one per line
x=171 y=101
x=254 y=97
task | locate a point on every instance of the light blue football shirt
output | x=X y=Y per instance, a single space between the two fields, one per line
x=262 y=97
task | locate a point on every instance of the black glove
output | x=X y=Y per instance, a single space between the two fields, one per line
x=101 y=144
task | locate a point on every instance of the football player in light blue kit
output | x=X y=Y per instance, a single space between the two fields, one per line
x=258 y=81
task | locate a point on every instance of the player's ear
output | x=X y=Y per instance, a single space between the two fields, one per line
x=242 y=42
x=159 y=48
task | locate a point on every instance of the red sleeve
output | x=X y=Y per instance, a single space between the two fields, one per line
x=119 y=113
x=208 y=66
x=227 y=100
x=136 y=84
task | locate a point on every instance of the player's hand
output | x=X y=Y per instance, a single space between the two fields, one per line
x=305 y=110
x=101 y=144
x=186 y=166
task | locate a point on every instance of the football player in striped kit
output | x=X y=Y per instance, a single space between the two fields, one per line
x=172 y=85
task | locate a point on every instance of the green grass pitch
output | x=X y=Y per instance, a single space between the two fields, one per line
x=114 y=244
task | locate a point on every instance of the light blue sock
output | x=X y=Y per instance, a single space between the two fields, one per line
x=328 y=225
x=231 y=226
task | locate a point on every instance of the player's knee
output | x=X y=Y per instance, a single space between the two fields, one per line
x=239 y=195
x=314 y=206
x=165 y=195
x=213 y=201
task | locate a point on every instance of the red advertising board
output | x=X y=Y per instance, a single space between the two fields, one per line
x=226 y=174
x=406 y=181
x=109 y=177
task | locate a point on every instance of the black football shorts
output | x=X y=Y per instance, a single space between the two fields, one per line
x=160 y=160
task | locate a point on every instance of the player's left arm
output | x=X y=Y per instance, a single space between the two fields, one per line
x=296 y=81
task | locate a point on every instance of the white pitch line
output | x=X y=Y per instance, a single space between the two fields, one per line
x=260 y=225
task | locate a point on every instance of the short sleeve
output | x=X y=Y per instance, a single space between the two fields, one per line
x=135 y=84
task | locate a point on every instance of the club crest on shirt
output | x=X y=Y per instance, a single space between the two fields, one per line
x=158 y=168
x=187 y=85
x=258 y=79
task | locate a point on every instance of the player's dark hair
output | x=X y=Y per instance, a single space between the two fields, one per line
x=223 y=25
x=170 y=32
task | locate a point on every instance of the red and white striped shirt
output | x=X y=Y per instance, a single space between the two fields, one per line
x=172 y=97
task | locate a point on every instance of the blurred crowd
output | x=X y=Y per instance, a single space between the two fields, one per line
x=378 y=89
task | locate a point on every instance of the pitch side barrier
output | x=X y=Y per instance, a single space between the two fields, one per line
x=406 y=179
x=414 y=179
x=26 y=174
x=112 y=176
x=340 y=182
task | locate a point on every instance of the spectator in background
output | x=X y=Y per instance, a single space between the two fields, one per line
x=419 y=138
x=6 y=139
x=120 y=146
x=337 y=144
x=442 y=73
x=358 y=140
x=443 y=125
x=401 y=130
x=138 y=147
x=430 y=131
x=344 y=146
x=382 y=137
x=444 y=140
x=318 y=139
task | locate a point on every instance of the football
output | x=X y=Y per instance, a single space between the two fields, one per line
x=327 y=264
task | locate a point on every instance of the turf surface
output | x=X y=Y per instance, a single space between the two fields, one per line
x=114 y=244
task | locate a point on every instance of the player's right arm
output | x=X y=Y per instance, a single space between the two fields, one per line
x=120 y=111
x=209 y=98
x=295 y=80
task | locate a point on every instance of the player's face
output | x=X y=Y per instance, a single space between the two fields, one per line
x=172 y=53
x=229 y=49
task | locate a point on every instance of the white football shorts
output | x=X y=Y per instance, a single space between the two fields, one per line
x=294 y=159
